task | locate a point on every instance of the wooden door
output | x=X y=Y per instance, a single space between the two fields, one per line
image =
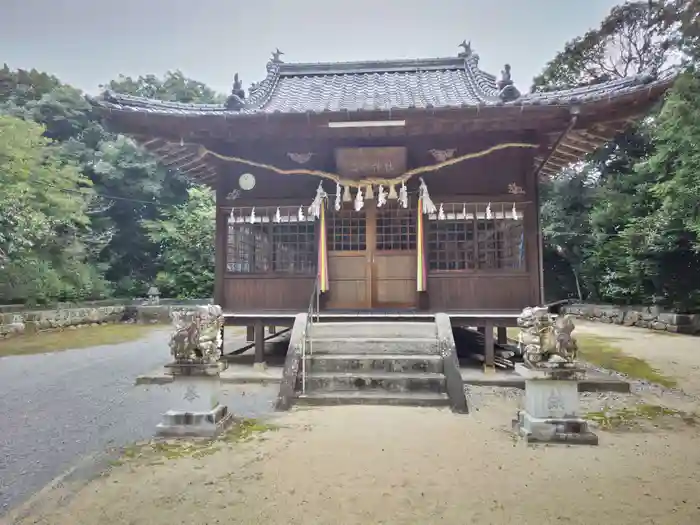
x=393 y=230
x=372 y=258
x=349 y=260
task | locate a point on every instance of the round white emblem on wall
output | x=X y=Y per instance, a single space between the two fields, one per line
x=246 y=181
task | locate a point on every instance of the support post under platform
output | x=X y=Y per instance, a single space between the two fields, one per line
x=259 y=329
x=502 y=335
x=489 y=351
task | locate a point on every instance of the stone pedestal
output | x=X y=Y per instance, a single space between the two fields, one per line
x=198 y=412
x=551 y=413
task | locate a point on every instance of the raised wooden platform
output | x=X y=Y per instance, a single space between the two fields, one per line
x=457 y=317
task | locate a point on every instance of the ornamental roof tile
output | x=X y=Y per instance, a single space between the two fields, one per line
x=435 y=83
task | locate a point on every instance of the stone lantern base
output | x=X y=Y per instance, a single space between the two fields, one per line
x=198 y=412
x=551 y=413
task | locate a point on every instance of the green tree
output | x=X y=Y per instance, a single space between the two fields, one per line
x=633 y=38
x=185 y=236
x=43 y=219
x=566 y=205
x=174 y=87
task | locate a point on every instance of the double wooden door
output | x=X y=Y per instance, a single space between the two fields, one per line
x=372 y=258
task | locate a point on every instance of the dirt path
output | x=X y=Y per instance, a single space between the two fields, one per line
x=360 y=465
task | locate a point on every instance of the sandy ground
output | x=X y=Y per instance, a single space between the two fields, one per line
x=371 y=465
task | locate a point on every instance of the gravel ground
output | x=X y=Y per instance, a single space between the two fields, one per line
x=58 y=408
x=398 y=465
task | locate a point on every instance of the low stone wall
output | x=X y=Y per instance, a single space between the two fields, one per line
x=642 y=316
x=33 y=321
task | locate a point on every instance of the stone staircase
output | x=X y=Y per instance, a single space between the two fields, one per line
x=381 y=363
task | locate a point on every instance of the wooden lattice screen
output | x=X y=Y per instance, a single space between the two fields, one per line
x=465 y=239
x=271 y=244
x=347 y=230
x=396 y=229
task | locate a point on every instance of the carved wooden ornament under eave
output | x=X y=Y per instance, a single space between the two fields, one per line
x=441 y=155
x=300 y=158
x=514 y=189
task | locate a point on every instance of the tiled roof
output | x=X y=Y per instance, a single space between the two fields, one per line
x=379 y=86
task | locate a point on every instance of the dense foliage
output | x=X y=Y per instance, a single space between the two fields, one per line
x=624 y=226
x=88 y=214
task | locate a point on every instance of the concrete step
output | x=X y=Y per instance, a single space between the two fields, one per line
x=384 y=381
x=376 y=397
x=374 y=345
x=374 y=363
x=375 y=329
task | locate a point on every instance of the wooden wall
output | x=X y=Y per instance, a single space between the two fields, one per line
x=476 y=180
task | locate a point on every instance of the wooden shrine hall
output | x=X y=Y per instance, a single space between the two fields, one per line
x=397 y=188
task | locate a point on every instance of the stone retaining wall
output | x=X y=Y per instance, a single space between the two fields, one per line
x=33 y=321
x=642 y=316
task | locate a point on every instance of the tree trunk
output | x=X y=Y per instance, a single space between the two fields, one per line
x=578 y=284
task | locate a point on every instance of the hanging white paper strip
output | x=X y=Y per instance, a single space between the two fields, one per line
x=428 y=206
x=381 y=197
x=359 y=201
x=403 y=196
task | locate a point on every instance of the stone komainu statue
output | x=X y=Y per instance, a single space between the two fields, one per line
x=545 y=340
x=198 y=335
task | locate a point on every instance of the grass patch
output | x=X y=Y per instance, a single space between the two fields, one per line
x=626 y=418
x=600 y=352
x=60 y=340
x=158 y=452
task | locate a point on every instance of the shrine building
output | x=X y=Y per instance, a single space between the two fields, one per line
x=393 y=188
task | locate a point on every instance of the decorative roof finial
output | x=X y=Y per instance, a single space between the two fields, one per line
x=506 y=79
x=236 y=99
x=467 y=46
x=507 y=91
x=276 y=56
x=237 y=87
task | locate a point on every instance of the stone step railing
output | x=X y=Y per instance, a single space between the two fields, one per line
x=649 y=317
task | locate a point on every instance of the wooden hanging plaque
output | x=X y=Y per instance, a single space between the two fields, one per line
x=359 y=163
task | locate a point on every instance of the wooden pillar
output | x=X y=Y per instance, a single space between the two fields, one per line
x=502 y=334
x=259 y=342
x=221 y=239
x=488 y=347
x=250 y=333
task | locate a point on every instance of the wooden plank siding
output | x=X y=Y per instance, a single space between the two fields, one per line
x=480 y=180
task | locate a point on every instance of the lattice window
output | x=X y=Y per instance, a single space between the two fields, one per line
x=464 y=239
x=269 y=246
x=396 y=228
x=346 y=231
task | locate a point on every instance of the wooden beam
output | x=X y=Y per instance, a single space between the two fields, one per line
x=569 y=157
x=502 y=335
x=489 y=351
x=259 y=342
x=574 y=149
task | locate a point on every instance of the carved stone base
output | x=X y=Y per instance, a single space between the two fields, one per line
x=551 y=413
x=571 y=431
x=207 y=424
x=195 y=400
